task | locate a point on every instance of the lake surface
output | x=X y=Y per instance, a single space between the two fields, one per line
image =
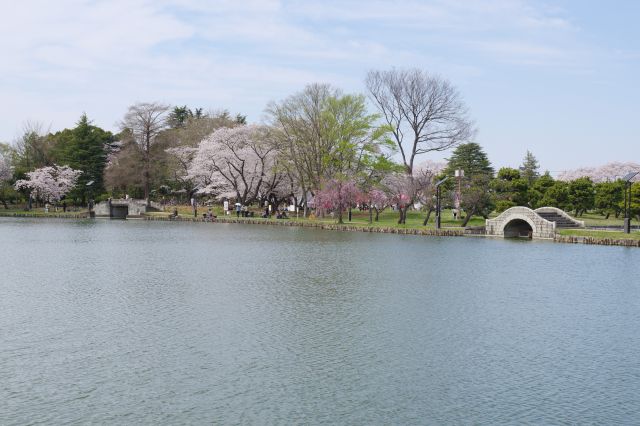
x=132 y=322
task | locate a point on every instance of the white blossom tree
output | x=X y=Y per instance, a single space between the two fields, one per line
x=236 y=163
x=5 y=169
x=607 y=172
x=6 y=173
x=49 y=184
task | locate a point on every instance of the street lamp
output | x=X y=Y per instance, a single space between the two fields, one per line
x=438 y=201
x=627 y=201
x=459 y=174
x=89 y=187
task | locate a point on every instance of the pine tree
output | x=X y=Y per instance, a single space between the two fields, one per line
x=84 y=148
x=472 y=159
x=475 y=186
x=530 y=168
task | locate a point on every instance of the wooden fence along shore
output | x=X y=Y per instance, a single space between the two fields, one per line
x=447 y=232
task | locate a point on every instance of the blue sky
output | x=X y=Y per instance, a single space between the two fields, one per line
x=557 y=78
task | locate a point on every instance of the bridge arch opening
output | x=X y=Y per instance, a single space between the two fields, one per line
x=119 y=212
x=518 y=228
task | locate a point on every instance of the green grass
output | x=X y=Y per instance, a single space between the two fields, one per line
x=387 y=218
x=39 y=212
x=614 y=235
x=594 y=219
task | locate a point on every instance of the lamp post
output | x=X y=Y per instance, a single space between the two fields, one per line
x=459 y=174
x=90 y=204
x=627 y=201
x=438 y=184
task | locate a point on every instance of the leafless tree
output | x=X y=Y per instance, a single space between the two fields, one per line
x=145 y=121
x=425 y=112
x=33 y=148
x=299 y=120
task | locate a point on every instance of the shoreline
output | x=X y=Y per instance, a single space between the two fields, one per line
x=447 y=232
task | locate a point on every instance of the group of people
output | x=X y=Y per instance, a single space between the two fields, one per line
x=240 y=210
x=280 y=214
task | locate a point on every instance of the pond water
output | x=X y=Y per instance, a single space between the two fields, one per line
x=145 y=323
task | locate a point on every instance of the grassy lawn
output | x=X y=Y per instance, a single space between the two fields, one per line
x=41 y=213
x=614 y=235
x=387 y=218
x=593 y=219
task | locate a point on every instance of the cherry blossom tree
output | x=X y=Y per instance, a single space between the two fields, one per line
x=5 y=169
x=425 y=177
x=337 y=195
x=401 y=189
x=49 y=184
x=183 y=157
x=6 y=173
x=378 y=200
x=236 y=163
x=606 y=173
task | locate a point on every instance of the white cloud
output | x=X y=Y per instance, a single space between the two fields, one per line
x=64 y=57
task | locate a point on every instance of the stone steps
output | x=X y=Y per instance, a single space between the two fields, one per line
x=561 y=221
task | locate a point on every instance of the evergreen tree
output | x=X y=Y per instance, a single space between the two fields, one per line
x=475 y=191
x=179 y=116
x=530 y=168
x=472 y=159
x=581 y=195
x=556 y=195
x=538 y=189
x=510 y=189
x=84 y=148
x=609 y=197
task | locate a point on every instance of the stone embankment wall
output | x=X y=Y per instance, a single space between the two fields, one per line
x=329 y=226
x=571 y=239
x=46 y=216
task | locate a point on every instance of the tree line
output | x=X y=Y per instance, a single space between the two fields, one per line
x=319 y=149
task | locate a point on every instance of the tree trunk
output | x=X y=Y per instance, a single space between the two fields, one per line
x=403 y=215
x=349 y=213
x=6 y=207
x=468 y=217
x=370 y=213
x=607 y=215
x=377 y=214
x=426 y=219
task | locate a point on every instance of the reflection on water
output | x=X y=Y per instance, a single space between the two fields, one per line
x=136 y=322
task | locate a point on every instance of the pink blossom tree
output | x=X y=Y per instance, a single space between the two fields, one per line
x=49 y=184
x=401 y=189
x=378 y=200
x=425 y=177
x=336 y=195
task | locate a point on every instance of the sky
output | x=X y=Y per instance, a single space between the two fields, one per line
x=557 y=78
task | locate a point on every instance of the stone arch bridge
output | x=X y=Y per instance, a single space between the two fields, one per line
x=524 y=222
x=124 y=208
